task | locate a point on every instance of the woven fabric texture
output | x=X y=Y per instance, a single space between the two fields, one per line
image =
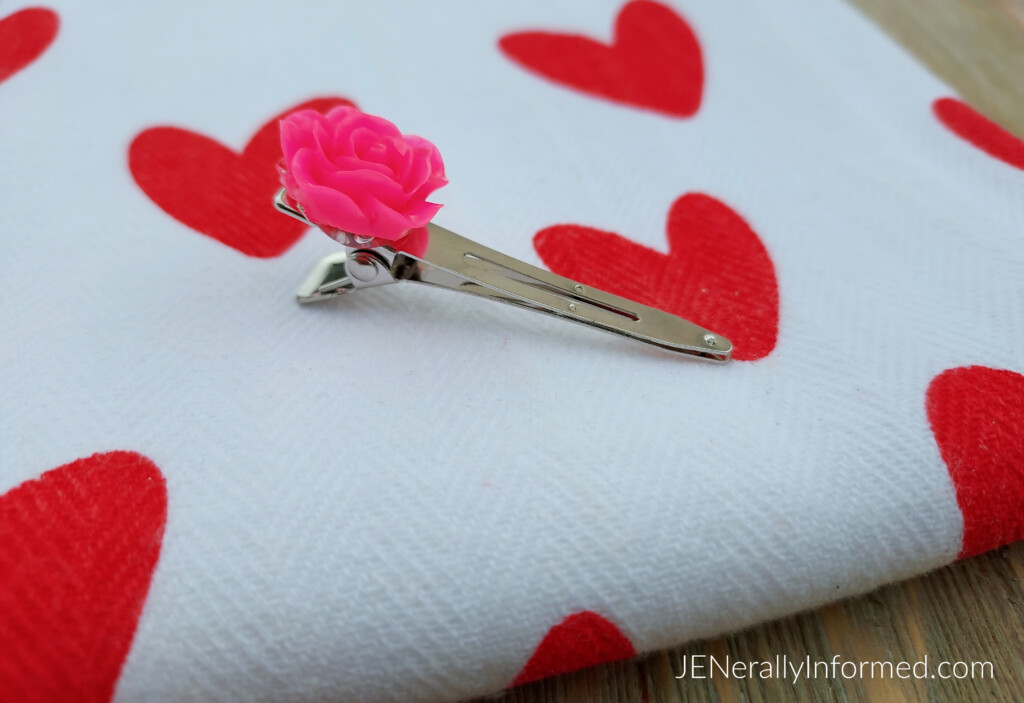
x=410 y=495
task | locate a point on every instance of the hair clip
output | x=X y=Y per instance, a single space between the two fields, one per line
x=362 y=182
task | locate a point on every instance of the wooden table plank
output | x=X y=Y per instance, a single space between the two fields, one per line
x=975 y=46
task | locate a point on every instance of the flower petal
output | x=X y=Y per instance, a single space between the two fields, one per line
x=326 y=206
x=358 y=173
x=297 y=131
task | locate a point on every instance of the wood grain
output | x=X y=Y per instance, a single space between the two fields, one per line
x=975 y=46
x=969 y=611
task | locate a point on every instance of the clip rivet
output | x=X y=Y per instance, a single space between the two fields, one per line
x=363 y=266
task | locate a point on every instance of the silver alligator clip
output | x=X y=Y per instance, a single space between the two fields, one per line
x=459 y=264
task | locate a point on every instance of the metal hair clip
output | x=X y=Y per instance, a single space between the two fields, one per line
x=459 y=264
x=364 y=184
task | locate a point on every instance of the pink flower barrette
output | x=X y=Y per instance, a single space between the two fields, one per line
x=365 y=184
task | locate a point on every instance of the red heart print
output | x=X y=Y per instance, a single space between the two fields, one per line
x=78 y=546
x=977 y=417
x=581 y=640
x=653 y=63
x=973 y=127
x=24 y=36
x=717 y=273
x=219 y=192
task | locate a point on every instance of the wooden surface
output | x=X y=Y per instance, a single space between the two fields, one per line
x=970 y=611
x=975 y=46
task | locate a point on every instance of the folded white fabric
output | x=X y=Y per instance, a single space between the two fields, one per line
x=409 y=495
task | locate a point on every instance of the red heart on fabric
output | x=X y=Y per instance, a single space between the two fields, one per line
x=581 y=640
x=78 y=546
x=24 y=36
x=973 y=127
x=217 y=191
x=654 y=61
x=977 y=417
x=717 y=273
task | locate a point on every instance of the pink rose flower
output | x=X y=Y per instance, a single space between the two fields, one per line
x=357 y=173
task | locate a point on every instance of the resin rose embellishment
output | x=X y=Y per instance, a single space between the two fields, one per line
x=357 y=173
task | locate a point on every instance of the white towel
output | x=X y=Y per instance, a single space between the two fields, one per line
x=409 y=495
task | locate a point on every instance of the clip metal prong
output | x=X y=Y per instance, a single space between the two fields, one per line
x=459 y=264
